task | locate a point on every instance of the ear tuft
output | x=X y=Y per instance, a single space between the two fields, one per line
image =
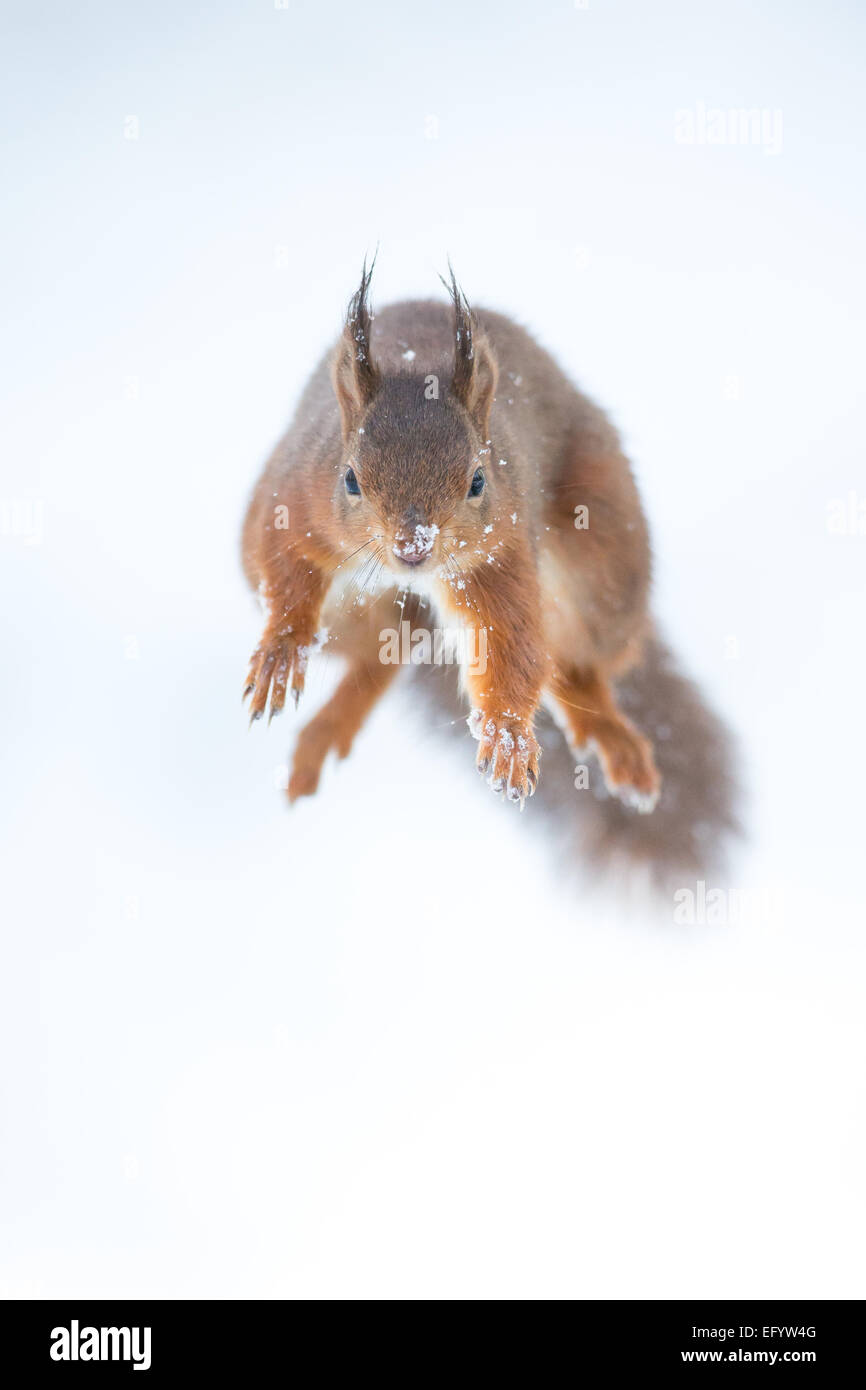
x=356 y=378
x=473 y=382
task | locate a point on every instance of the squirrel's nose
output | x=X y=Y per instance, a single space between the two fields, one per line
x=414 y=543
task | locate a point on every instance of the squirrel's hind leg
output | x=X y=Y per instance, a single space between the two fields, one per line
x=587 y=711
x=337 y=723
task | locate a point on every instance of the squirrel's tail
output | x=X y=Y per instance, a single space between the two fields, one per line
x=689 y=833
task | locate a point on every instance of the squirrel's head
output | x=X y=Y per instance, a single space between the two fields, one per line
x=414 y=473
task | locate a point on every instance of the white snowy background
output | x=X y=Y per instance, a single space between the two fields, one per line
x=377 y=1046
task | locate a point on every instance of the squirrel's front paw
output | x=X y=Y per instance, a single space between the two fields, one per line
x=507 y=753
x=278 y=665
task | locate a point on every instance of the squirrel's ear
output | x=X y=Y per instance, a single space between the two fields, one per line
x=355 y=377
x=475 y=370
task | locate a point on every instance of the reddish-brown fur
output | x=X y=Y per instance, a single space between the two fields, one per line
x=563 y=609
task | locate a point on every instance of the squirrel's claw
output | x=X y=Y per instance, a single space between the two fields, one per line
x=507 y=752
x=275 y=670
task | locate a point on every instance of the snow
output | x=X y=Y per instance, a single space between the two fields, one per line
x=418 y=544
x=383 y=1044
x=474 y=721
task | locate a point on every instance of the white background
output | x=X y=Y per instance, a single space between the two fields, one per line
x=379 y=1045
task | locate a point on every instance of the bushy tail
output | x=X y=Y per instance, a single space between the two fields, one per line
x=690 y=832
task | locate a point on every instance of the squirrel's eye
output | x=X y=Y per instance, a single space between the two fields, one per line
x=352 y=483
x=477 y=485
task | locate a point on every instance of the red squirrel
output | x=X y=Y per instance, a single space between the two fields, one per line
x=439 y=450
